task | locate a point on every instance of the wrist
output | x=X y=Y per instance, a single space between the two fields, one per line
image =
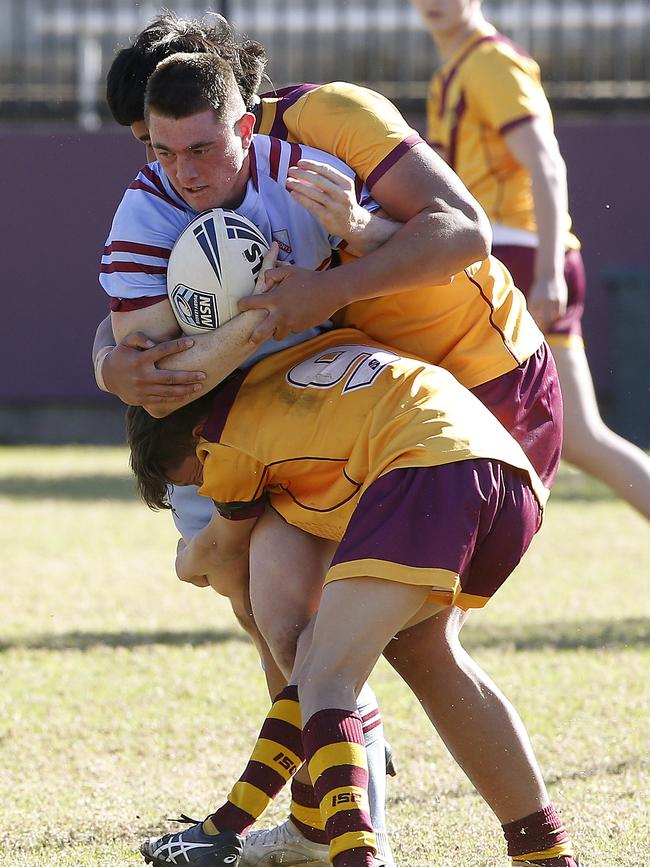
x=100 y=358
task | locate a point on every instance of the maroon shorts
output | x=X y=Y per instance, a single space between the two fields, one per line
x=520 y=261
x=458 y=528
x=528 y=403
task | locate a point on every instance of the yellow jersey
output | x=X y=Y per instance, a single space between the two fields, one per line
x=477 y=327
x=311 y=427
x=487 y=87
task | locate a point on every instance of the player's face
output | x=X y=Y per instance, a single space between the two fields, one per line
x=205 y=159
x=188 y=472
x=443 y=16
x=141 y=133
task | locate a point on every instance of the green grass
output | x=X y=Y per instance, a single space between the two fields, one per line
x=127 y=697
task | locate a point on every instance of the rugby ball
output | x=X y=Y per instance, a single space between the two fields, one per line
x=213 y=264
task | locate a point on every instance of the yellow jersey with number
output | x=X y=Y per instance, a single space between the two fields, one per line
x=313 y=426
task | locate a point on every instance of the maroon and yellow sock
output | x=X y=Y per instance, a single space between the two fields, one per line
x=305 y=812
x=277 y=756
x=336 y=757
x=540 y=838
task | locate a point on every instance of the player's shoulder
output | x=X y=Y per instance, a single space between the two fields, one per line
x=151 y=201
x=494 y=50
x=272 y=157
x=343 y=95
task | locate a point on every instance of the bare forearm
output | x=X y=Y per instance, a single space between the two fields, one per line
x=216 y=353
x=103 y=337
x=550 y=198
x=427 y=251
x=103 y=344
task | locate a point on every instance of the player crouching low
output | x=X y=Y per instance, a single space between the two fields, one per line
x=432 y=504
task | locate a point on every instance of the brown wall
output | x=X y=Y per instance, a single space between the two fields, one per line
x=60 y=189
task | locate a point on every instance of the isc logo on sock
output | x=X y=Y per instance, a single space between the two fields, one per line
x=345 y=798
x=285 y=762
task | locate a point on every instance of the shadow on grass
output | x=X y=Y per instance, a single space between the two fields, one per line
x=565 y=635
x=590 y=772
x=593 y=635
x=570 y=486
x=92 y=640
x=91 y=487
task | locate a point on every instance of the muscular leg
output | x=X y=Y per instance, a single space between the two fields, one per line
x=479 y=726
x=589 y=444
x=287 y=568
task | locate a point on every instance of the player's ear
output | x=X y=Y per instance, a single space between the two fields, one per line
x=246 y=125
x=197 y=430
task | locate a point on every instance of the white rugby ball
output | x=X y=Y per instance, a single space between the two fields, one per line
x=213 y=264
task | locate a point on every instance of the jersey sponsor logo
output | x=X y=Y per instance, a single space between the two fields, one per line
x=194 y=307
x=358 y=365
x=282 y=238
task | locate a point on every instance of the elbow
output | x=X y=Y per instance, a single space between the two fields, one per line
x=478 y=233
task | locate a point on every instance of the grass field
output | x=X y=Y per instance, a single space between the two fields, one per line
x=126 y=697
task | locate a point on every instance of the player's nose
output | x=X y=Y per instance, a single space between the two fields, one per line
x=186 y=169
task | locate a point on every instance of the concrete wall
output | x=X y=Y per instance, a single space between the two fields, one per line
x=60 y=189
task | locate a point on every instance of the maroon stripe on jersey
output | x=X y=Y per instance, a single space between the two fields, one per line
x=295 y=155
x=253 y=166
x=267 y=779
x=393 y=157
x=140 y=185
x=454 y=69
x=139 y=249
x=225 y=396
x=274 y=158
x=126 y=305
x=288 y=97
x=132 y=268
x=156 y=180
x=491 y=317
x=241 y=511
x=358 y=187
x=284 y=734
x=453 y=138
x=512 y=124
x=499 y=37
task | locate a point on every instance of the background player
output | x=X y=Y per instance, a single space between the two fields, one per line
x=488 y=115
x=445 y=526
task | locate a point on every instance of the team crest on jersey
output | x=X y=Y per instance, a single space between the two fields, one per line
x=195 y=308
x=282 y=238
x=206 y=236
